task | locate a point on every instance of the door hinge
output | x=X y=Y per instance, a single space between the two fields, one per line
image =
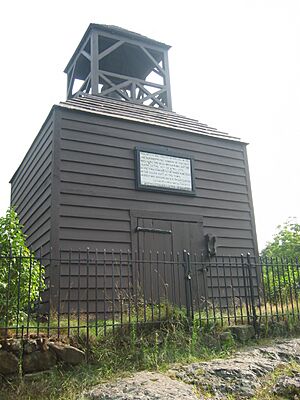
x=154 y=230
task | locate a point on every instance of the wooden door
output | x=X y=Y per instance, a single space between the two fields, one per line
x=159 y=243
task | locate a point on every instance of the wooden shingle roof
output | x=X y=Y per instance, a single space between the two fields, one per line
x=141 y=113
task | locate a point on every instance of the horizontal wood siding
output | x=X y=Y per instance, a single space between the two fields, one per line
x=31 y=189
x=97 y=191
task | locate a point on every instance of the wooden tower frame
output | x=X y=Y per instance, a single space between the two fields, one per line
x=116 y=63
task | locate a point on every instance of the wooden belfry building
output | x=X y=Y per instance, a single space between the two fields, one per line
x=114 y=167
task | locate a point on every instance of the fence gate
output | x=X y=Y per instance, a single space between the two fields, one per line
x=223 y=289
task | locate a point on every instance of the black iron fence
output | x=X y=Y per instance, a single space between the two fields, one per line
x=96 y=293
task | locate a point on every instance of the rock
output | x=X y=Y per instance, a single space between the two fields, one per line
x=42 y=343
x=3 y=333
x=240 y=375
x=36 y=376
x=242 y=333
x=38 y=361
x=278 y=328
x=288 y=386
x=8 y=363
x=143 y=385
x=211 y=341
x=66 y=353
x=13 y=345
x=226 y=337
x=30 y=346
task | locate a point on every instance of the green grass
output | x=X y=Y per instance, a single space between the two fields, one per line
x=123 y=352
x=119 y=354
x=266 y=392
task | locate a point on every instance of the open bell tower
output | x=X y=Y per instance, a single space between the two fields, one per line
x=116 y=63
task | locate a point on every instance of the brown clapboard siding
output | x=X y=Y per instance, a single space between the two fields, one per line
x=115 y=203
x=229 y=242
x=36 y=194
x=40 y=240
x=86 y=212
x=110 y=171
x=113 y=171
x=40 y=180
x=31 y=188
x=76 y=222
x=90 y=186
x=35 y=178
x=37 y=199
x=85 y=122
x=40 y=223
x=97 y=180
x=94 y=235
x=232 y=233
x=100 y=150
x=108 y=161
x=123 y=142
x=98 y=176
x=43 y=230
x=34 y=215
x=124 y=183
x=106 y=150
x=221 y=177
x=75 y=245
x=202 y=183
x=227 y=222
x=94 y=192
x=33 y=161
x=79 y=189
x=232 y=251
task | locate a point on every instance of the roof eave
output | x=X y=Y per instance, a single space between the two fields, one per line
x=151 y=123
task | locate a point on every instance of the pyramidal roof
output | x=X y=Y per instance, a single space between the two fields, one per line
x=141 y=113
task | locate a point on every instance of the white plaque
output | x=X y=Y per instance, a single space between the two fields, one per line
x=164 y=171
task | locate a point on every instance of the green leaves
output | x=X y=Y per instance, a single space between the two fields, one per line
x=280 y=264
x=286 y=241
x=21 y=275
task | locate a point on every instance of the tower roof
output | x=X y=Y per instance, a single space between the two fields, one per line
x=112 y=29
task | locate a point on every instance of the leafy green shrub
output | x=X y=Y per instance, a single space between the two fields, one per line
x=21 y=276
x=280 y=264
x=285 y=243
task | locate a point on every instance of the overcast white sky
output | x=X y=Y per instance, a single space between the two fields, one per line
x=234 y=64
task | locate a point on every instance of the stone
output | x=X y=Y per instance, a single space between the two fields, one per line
x=211 y=341
x=288 y=386
x=38 y=361
x=278 y=328
x=143 y=386
x=242 y=333
x=13 y=345
x=42 y=343
x=226 y=337
x=8 y=363
x=240 y=375
x=36 y=376
x=30 y=346
x=66 y=353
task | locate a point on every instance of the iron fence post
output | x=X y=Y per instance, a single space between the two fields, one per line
x=245 y=288
x=254 y=316
x=188 y=286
